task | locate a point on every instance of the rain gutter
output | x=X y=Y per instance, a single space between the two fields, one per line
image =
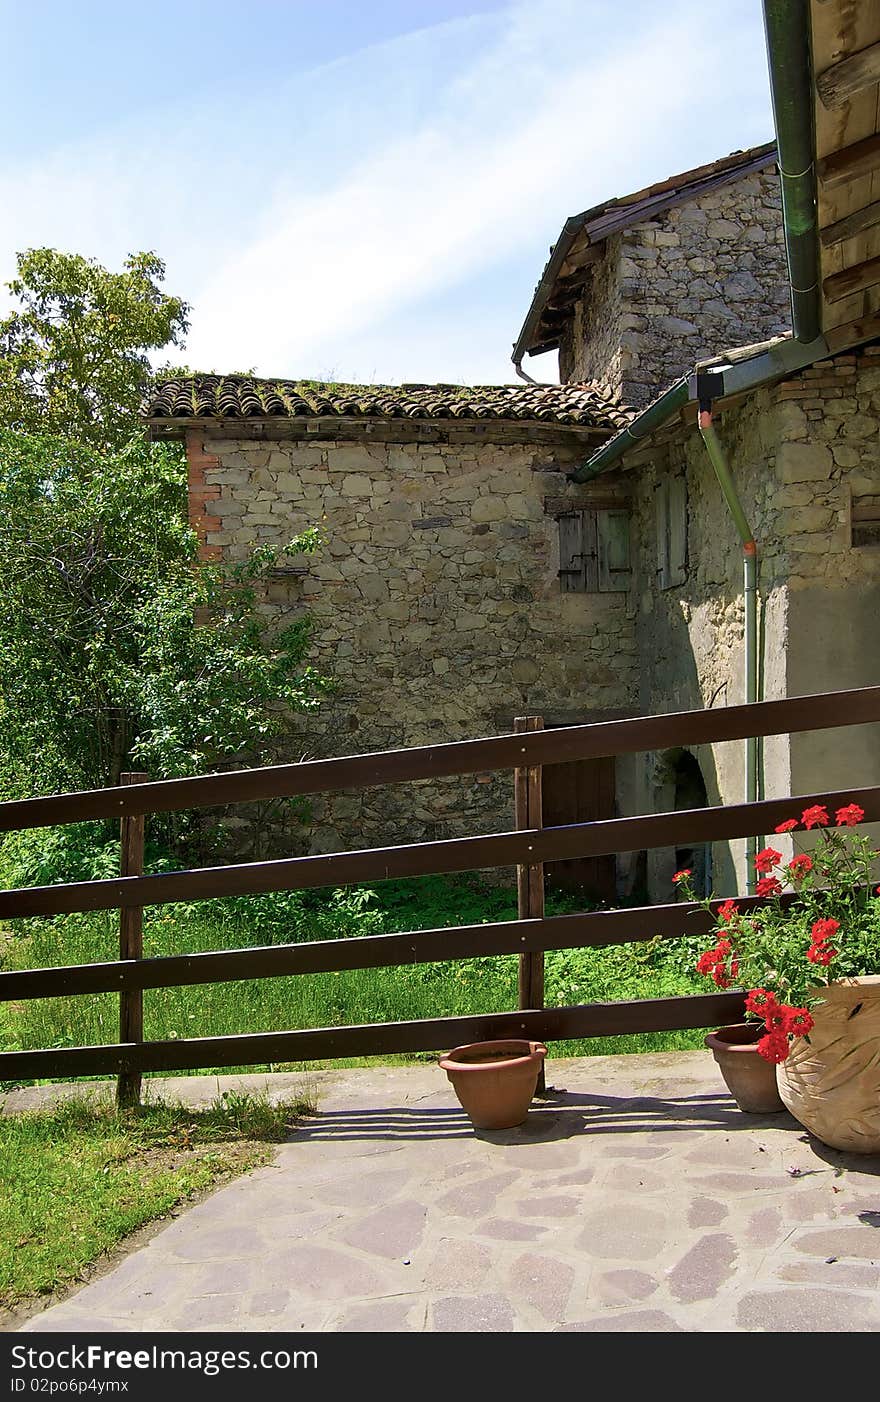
x=735 y=376
x=787 y=28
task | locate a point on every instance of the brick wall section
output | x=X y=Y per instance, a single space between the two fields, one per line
x=202 y=494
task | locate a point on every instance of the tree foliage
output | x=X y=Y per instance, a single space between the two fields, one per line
x=74 y=351
x=116 y=650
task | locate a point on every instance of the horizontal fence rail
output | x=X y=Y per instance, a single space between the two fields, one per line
x=591 y=930
x=823 y=711
x=527 y=848
x=692 y=825
x=379 y=1039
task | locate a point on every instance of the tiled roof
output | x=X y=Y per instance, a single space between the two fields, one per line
x=241 y=397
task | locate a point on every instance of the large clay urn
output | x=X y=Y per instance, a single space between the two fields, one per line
x=495 y=1081
x=830 y=1081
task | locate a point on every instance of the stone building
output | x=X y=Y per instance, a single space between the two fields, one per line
x=803 y=452
x=566 y=550
x=437 y=594
x=639 y=288
x=797 y=423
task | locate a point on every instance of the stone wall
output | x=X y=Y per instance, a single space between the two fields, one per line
x=800 y=453
x=692 y=282
x=436 y=601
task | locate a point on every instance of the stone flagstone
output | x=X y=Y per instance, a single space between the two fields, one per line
x=635 y=1200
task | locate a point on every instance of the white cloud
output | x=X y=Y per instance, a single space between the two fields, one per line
x=326 y=225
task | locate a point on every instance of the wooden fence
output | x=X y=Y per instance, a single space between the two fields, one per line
x=525 y=751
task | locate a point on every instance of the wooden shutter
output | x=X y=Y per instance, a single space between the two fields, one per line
x=661 y=518
x=677 y=530
x=865 y=520
x=571 y=552
x=578 y=552
x=613 y=550
x=670 y=501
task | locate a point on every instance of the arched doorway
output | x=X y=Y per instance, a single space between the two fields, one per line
x=680 y=785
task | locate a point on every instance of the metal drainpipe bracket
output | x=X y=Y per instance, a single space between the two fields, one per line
x=707 y=385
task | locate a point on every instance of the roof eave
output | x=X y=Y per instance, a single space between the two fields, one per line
x=160 y=428
x=570 y=229
x=715 y=380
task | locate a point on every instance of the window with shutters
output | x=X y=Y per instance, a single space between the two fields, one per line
x=670 y=500
x=594 y=551
x=865 y=520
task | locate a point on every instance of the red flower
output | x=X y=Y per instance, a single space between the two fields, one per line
x=768 y=886
x=774 y=1047
x=788 y=826
x=720 y=976
x=760 y=1001
x=877 y=891
x=821 y=954
x=849 y=817
x=798 y=1022
x=706 y=962
x=824 y=930
x=799 y=866
x=766 y=860
x=727 y=911
x=815 y=817
x=681 y=876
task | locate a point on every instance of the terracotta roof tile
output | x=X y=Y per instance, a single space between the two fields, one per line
x=241 y=397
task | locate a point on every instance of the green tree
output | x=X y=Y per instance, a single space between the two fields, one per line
x=116 y=649
x=74 y=351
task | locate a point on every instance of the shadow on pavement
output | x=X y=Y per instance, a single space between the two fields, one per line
x=563 y=1116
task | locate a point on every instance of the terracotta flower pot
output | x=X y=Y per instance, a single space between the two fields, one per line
x=830 y=1081
x=495 y=1081
x=750 y=1079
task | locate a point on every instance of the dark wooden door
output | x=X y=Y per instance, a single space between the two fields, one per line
x=581 y=792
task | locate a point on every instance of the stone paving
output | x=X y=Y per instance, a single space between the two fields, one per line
x=636 y=1198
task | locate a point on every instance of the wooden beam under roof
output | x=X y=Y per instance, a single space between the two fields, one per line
x=850 y=280
x=866 y=328
x=849 y=163
x=839 y=83
x=579 y=258
x=850 y=225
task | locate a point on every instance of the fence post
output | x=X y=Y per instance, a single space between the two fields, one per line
x=530 y=879
x=131 y=946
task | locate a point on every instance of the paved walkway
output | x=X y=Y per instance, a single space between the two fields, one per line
x=637 y=1199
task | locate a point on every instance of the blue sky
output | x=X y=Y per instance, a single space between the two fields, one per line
x=360 y=191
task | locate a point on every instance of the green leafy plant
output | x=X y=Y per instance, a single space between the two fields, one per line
x=74 y=351
x=826 y=927
x=117 y=650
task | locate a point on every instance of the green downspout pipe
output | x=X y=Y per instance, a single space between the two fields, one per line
x=718 y=459
x=787 y=28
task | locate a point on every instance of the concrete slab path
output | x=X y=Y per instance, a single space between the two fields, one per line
x=636 y=1198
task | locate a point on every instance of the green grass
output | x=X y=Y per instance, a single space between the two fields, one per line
x=651 y=969
x=77 y=1178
